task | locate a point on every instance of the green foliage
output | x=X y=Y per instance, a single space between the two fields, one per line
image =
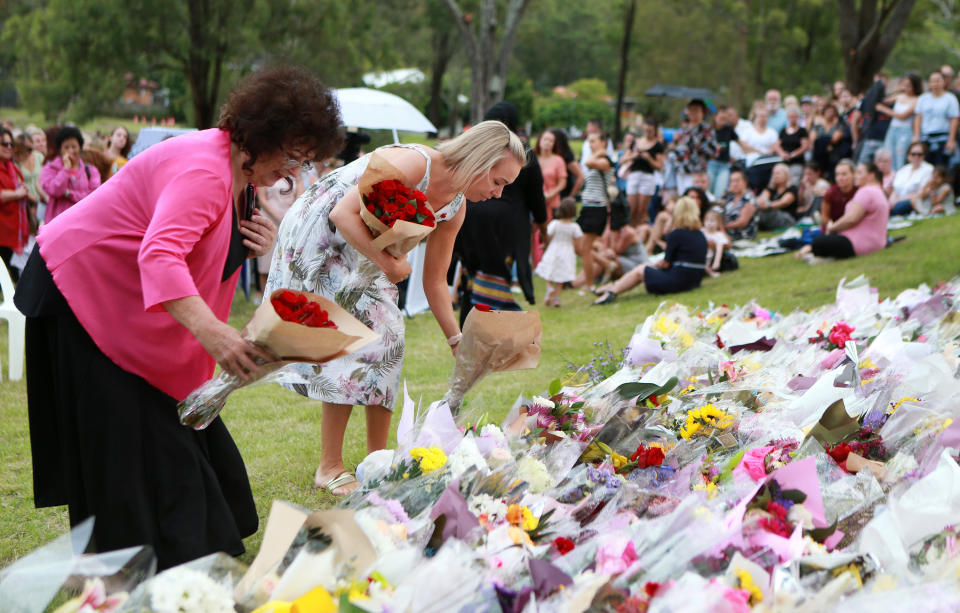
x=929 y=40
x=564 y=111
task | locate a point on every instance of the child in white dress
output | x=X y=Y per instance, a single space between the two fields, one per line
x=717 y=240
x=559 y=262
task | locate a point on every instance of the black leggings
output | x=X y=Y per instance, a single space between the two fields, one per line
x=832 y=246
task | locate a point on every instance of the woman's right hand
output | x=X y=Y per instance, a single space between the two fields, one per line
x=235 y=355
x=396 y=269
x=67 y=161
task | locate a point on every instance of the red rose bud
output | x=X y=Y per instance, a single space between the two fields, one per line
x=482 y=307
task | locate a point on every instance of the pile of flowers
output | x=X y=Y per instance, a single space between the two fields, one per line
x=727 y=465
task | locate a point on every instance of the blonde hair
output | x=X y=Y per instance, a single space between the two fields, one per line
x=686 y=214
x=477 y=150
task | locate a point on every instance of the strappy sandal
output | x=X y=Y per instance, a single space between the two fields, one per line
x=344 y=478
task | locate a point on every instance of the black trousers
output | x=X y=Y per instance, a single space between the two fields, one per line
x=832 y=246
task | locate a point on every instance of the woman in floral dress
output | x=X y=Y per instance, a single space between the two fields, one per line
x=324 y=247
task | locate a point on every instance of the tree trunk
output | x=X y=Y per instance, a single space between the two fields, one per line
x=868 y=35
x=443 y=51
x=631 y=10
x=488 y=65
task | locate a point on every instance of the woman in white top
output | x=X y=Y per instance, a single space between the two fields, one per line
x=910 y=179
x=761 y=139
x=900 y=132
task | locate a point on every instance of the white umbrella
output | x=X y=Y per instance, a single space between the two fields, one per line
x=377 y=110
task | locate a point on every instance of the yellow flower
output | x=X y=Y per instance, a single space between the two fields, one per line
x=866 y=364
x=706 y=416
x=710 y=488
x=618 y=460
x=746 y=583
x=665 y=326
x=687 y=390
x=521 y=517
x=897 y=404
x=431 y=458
x=686 y=339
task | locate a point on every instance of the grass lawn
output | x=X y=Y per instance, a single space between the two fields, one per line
x=278 y=432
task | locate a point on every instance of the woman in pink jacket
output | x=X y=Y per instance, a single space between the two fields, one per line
x=66 y=178
x=127 y=299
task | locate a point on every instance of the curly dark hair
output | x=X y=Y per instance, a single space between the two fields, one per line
x=283 y=108
x=65 y=134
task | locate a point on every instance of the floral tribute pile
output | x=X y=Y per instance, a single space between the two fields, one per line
x=738 y=460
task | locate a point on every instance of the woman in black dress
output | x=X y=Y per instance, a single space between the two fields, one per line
x=683 y=265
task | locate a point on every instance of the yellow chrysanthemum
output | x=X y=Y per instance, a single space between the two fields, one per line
x=866 y=364
x=618 y=460
x=746 y=583
x=431 y=458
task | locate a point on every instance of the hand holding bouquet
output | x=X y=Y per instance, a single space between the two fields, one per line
x=298 y=327
x=398 y=217
x=493 y=341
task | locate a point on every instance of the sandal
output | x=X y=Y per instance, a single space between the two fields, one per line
x=344 y=478
x=607 y=298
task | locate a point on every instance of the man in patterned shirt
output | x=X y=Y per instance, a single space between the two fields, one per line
x=695 y=145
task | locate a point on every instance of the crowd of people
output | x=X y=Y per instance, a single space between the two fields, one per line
x=838 y=163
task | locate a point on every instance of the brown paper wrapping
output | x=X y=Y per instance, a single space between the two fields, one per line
x=298 y=343
x=404 y=235
x=494 y=341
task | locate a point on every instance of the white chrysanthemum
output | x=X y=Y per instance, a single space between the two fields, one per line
x=494 y=509
x=465 y=457
x=543 y=402
x=534 y=473
x=183 y=590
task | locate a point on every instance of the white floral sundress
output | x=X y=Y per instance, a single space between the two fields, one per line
x=312 y=256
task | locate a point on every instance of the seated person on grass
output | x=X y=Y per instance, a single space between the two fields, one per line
x=683 y=264
x=863 y=227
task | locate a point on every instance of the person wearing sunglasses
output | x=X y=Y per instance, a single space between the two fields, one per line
x=14 y=219
x=127 y=300
x=909 y=180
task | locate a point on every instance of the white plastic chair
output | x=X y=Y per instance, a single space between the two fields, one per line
x=16 y=323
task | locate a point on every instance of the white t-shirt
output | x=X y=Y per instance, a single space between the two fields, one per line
x=763 y=141
x=908 y=181
x=936 y=112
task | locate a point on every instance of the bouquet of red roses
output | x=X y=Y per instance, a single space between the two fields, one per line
x=398 y=217
x=297 y=327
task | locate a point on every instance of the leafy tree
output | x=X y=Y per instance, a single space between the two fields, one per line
x=868 y=33
x=61 y=66
x=488 y=57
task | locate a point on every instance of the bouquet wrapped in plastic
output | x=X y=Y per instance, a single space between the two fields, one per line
x=493 y=341
x=58 y=573
x=297 y=327
x=397 y=216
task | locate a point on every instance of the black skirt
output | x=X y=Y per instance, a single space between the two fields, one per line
x=110 y=445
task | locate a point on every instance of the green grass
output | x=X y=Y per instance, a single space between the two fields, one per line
x=278 y=432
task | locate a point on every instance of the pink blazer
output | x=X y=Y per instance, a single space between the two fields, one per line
x=157 y=231
x=66 y=187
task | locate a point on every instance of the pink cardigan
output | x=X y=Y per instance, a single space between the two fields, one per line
x=157 y=231
x=66 y=187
